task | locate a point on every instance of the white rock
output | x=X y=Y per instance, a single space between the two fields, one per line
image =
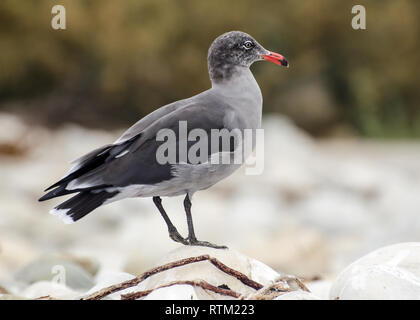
x=391 y=272
x=261 y=272
x=107 y=278
x=49 y=288
x=297 y=295
x=204 y=270
x=49 y=267
x=177 y=292
x=320 y=288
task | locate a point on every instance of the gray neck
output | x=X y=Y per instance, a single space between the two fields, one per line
x=242 y=91
x=241 y=82
x=220 y=72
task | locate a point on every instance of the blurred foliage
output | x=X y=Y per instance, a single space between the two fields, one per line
x=119 y=60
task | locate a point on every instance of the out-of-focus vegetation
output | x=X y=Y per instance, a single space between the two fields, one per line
x=119 y=60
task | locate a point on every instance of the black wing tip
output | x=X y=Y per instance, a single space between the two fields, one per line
x=49 y=195
x=61 y=190
x=43 y=198
x=54 y=185
x=57 y=192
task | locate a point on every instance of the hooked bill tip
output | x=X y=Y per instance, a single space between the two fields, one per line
x=276 y=58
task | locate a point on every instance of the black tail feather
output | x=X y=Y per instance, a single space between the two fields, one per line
x=81 y=204
x=88 y=198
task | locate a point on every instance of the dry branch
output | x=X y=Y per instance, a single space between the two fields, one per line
x=197 y=283
x=283 y=284
x=135 y=281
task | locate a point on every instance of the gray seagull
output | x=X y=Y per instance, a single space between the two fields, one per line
x=129 y=167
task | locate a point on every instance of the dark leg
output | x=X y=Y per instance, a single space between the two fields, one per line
x=173 y=232
x=192 y=240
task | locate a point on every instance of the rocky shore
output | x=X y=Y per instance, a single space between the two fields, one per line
x=319 y=206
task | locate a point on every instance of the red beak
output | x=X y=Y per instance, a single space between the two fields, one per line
x=276 y=58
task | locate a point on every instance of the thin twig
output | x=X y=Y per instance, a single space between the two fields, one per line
x=238 y=275
x=282 y=285
x=197 y=283
x=45 y=298
x=135 y=281
x=302 y=285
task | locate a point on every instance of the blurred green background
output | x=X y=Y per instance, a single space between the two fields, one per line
x=119 y=60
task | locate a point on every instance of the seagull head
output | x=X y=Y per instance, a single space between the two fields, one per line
x=238 y=49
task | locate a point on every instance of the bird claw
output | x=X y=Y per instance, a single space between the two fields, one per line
x=195 y=242
x=188 y=242
x=192 y=241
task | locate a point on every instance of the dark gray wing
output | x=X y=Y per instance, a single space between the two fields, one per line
x=146 y=121
x=133 y=159
x=139 y=164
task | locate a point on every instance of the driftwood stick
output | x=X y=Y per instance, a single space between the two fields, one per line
x=238 y=275
x=283 y=284
x=197 y=283
x=302 y=285
x=133 y=282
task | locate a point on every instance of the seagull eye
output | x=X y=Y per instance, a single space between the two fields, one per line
x=248 y=44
